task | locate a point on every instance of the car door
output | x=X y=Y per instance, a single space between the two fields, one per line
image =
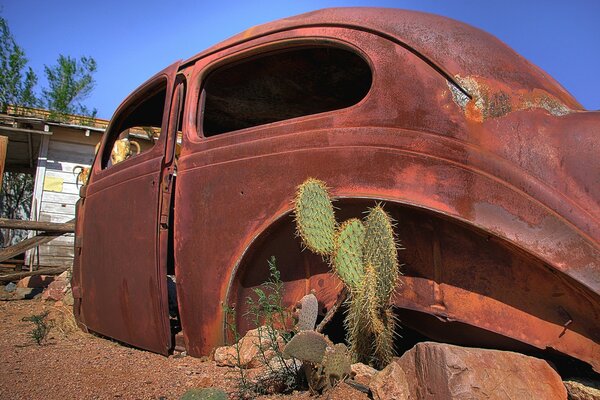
x=120 y=278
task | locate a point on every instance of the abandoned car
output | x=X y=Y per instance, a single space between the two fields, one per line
x=488 y=165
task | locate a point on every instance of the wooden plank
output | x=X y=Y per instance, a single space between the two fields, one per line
x=51 y=261
x=58 y=218
x=38 y=225
x=40 y=173
x=42 y=271
x=3 y=147
x=58 y=208
x=69 y=188
x=24 y=245
x=67 y=198
x=51 y=250
x=67 y=177
x=62 y=156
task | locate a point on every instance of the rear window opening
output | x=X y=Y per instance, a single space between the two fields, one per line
x=283 y=85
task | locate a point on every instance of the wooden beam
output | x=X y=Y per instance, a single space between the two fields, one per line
x=22 y=130
x=24 y=245
x=3 y=147
x=59 y=227
x=42 y=271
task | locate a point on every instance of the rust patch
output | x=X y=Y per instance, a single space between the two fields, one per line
x=491 y=99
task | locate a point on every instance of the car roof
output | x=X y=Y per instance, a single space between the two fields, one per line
x=454 y=48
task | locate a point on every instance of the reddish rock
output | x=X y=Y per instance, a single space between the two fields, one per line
x=250 y=355
x=38 y=281
x=55 y=291
x=442 y=371
x=583 y=389
x=362 y=373
x=391 y=384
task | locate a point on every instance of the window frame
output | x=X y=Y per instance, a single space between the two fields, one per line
x=264 y=49
x=128 y=107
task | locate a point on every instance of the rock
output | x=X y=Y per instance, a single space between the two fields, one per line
x=391 y=383
x=438 y=370
x=38 y=281
x=56 y=290
x=363 y=373
x=10 y=287
x=582 y=389
x=250 y=355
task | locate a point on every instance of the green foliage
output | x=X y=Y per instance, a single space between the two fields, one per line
x=41 y=327
x=204 y=394
x=16 y=81
x=266 y=311
x=364 y=256
x=315 y=219
x=69 y=82
x=15 y=203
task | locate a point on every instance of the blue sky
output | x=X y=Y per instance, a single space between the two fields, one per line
x=132 y=40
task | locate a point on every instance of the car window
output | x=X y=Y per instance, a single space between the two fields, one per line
x=281 y=85
x=137 y=128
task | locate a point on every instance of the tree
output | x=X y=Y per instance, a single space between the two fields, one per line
x=16 y=88
x=69 y=82
x=15 y=203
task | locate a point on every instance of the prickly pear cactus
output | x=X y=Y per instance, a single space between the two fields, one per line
x=347 y=257
x=336 y=363
x=204 y=394
x=307 y=346
x=364 y=256
x=380 y=251
x=315 y=219
x=307 y=313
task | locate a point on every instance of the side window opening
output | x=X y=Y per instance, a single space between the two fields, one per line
x=138 y=128
x=282 y=85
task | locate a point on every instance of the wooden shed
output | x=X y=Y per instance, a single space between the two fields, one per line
x=50 y=152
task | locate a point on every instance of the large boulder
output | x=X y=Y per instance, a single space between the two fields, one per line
x=443 y=371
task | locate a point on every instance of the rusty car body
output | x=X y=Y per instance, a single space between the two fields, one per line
x=489 y=166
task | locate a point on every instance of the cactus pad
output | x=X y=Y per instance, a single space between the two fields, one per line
x=315 y=219
x=336 y=363
x=307 y=313
x=347 y=259
x=307 y=346
x=380 y=251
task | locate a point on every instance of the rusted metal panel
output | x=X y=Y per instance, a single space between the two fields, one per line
x=119 y=277
x=488 y=164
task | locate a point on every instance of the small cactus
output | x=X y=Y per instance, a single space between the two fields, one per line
x=315 y=219
x=307 y=313
x=204 y=394
x=336 y=363
x=307 y=346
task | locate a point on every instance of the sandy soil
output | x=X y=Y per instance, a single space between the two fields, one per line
x=75 y=365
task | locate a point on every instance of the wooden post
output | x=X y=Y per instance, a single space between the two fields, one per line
x=3 y=148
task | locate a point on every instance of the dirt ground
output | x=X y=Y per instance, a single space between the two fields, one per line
x=75 y=365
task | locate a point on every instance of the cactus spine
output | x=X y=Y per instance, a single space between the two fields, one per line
x=363 y=254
